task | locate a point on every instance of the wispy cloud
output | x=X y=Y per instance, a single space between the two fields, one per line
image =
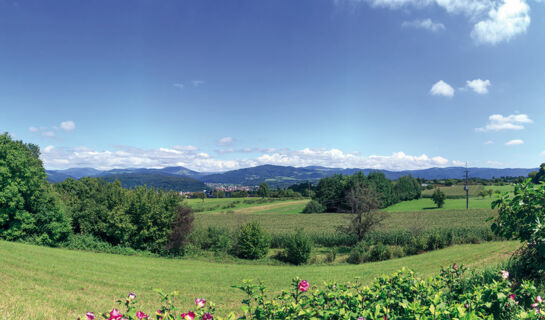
x=479 y=86
x=197 y=83
x=225 y=141
x=489 y=142
x=441 y=88
x=426 y=24
x=514 y=142
x=68 y=125
x=178 y=85
x=497 y=122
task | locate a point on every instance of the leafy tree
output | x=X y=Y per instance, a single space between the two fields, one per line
x=239 y=194
x=330 y=193
x=539 y=176
x=29 y=209
x=252 y=241
x=407 y=188
x=520 y=216
x=363 y=202
x=438 y=197
x=182 y=228
x=199 y=195
x=313 y=206
x=298 y=248
x=263 y=190
x=218 y=193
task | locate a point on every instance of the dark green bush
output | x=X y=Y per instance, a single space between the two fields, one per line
x=252 y=242
x=359 y=254
x=380 y=252
x=298 y=248
x=313 y=207
x=331 y=256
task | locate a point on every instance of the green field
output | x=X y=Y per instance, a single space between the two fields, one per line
x=455 y=191
x=450 y=204
x=231 y=204
x=47 y=283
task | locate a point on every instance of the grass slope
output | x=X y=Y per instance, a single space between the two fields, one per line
x=47 y=283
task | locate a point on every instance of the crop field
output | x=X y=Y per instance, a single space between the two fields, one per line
x=286 y=218
x=455 y=191
x=48 y=283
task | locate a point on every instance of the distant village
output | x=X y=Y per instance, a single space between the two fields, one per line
x=218 y=190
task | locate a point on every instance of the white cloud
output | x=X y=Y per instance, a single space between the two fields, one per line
x=197 y=83
x=478 y=85
x=48 y=134
x=543 y=153
x=494 y=21
x=178 y=85
x=489 y=142
x=427 y=24
x=514 y=142
x=48 y=149
x=441 y=88
x=225 y=141
x=33 y=129
x=503 y=23
x=497 y=122
x=68 y=125
x=190 y=157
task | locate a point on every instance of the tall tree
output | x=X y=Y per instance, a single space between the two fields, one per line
x=29 y=209
x=364 y=216
x=263 y=190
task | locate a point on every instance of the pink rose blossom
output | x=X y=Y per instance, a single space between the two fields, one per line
x=141 y=315
x=303 y=286
x=89 y=316
x=505 y=274
x=512 y=296
x=455 y=266
x=115 y=315
x=188 y=316
x=131 y=296
x=200 y=302
x=207 y=316
x=538 y=299
x=534 y=305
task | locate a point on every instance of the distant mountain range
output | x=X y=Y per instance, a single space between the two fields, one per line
x=183 y=179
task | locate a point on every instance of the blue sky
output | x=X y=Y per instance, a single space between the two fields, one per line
x=219 y=85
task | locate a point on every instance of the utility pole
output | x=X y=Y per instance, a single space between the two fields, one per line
x=466 y=188
x=308 y=189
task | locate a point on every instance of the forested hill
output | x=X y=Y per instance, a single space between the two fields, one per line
x=157 y=180
x=274 y=175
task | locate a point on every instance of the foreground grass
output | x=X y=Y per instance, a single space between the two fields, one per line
x=47 y=283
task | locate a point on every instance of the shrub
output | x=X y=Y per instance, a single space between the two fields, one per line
x=436 y=241
x=359 y=254
x=313 y=206
x=252 y=242
x=380 y=252
x=298 y=248
x=438 y=197
x=181 y=229
x=331 y=256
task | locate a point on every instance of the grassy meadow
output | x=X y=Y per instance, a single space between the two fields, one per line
x=49 y=283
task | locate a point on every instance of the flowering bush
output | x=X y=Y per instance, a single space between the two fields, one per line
x=401 y=295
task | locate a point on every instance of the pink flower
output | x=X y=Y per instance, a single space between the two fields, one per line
x=538 y=299
x=89 y=316
x=534 y=305
x=303 y=286
x=141 y=315
x=159 y=314
x=512 y=296
x=131 y=296
x=200 y=302
x=361 y=318
x=115 y=315
x=188 y=316
x=207 y=316
x=466 y=306
x=455 y=266
x=505 y=274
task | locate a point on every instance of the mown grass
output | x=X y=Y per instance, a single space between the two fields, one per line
x=231 y=204
x=48 y=283
x=450 y=204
